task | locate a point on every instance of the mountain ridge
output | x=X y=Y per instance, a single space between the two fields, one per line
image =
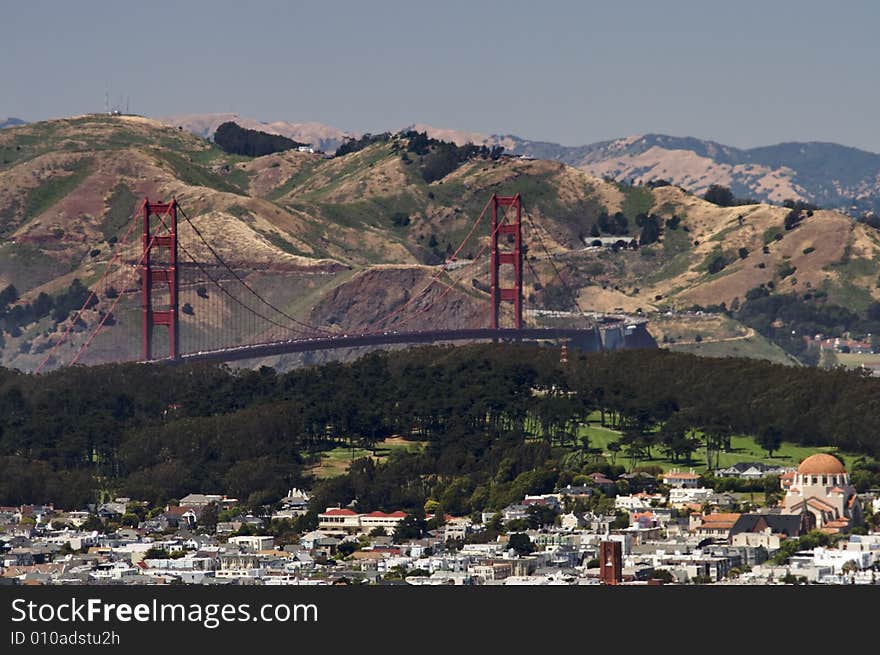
x=11 y=121
x=826 y=174
x=319 y=235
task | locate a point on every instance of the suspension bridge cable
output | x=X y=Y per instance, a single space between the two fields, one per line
x=100 y=325
x=245 y=284
x=220 y=286
x=120 y=245
x=553 y=264
x=450 y=287
x=94 y=334
x=435 y=276
x=236 y=300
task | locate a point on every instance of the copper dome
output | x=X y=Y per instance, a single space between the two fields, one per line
x=821 y=464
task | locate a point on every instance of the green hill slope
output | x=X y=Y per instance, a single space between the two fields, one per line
x=316 y=233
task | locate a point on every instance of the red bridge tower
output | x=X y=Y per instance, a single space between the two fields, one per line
x=165 y=273
x=514 y=258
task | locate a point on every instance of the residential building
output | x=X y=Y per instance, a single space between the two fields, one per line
x=388 y=522
x=638 y=501
x=679 y=496
x=200 y=500
x=337 y=519
x=715 y=526
x=678 y=479
x=253 y=543
x=769 y=530
x=750 y=470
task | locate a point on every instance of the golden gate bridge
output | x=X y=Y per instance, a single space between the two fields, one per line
x=237 y=318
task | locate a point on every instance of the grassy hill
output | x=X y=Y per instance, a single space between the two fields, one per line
x=340 y=240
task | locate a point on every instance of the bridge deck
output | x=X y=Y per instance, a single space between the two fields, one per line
x=585 y=336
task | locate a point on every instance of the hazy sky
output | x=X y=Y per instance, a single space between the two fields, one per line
x=744 y=73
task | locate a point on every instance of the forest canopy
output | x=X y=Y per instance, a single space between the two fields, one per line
x=489 y=416
x=237 y=140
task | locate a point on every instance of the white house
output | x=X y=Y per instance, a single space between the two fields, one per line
x=200 y=500
x=253 y=543
x=572 y=521
x=834 y=558
x=685 y=495
x=637 y=501
x=676 y=478
x=389 y=522
x=336 y=519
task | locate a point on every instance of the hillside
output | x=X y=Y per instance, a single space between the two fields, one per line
x=338 y=241
x=826 y=174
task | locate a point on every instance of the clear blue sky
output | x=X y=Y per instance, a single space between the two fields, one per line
x=744 y=73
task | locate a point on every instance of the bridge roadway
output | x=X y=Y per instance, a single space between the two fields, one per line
x=584 y=338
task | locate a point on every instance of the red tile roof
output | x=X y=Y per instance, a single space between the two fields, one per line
x=338 y=512
x=382 y=515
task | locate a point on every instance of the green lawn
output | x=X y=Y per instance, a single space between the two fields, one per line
x=743 y=449
x=756 y=347
x=336 y=461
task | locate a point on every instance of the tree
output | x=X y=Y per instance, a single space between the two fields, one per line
x=717 y=263
x=850 y=566
x=346 y=548
x=8 y=295
x=209 y=518
x=720 y=195
x=93 y=523
x=413 y=526
x=663 y=575
x=769 y=437
x=156 y=553
x=650 y=229
x=130 y=520
x=614 y=449
x=541 y=515
x=520 y=542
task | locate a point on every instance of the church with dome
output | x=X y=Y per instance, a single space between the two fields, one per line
x=821 y=489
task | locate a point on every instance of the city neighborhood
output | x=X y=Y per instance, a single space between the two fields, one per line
x=668 y=528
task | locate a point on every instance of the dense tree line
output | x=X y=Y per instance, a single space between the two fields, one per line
x=494 y=420
x=798 y=211
x=437 y=158
x=351 y=145
x=251 y=143
x=722 y=196
x=614 y=225
x=60 y=306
